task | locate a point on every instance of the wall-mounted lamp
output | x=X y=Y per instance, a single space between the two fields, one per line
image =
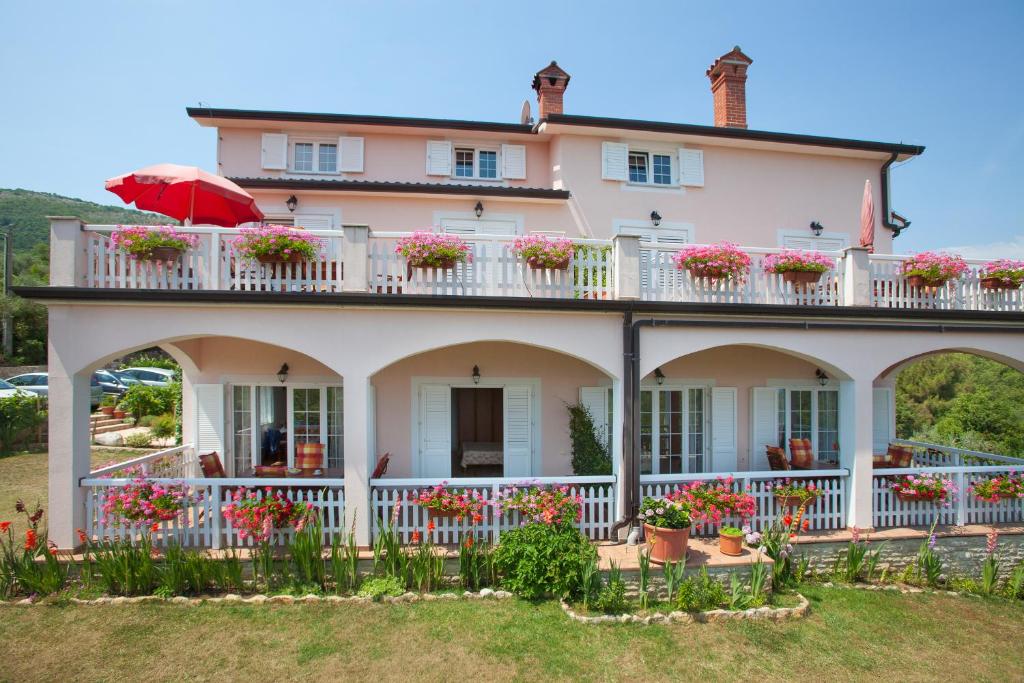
x=282 y=374
x=822 y=377
x=816 y=228
x=659 y=376
x=479 y=209
x=656 y=218
x=476 y=374
x=291 y=202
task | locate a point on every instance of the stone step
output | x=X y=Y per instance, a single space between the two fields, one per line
x=112 y=428
x=107 y=421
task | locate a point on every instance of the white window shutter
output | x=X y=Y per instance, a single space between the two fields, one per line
x=209 y=408
x=435 y=427
x=518 y=430
x=881 y=421
x=691 y=167
x=314 y=221
x=764 y=423
x=274 y=151
x=439 y=157
x=810 y=243
x=351 y=152
x=614 y=161
x=723 y=429
x=513 y=162
x=595 y=400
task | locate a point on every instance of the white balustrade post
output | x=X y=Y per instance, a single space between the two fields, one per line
x=626 y=266
x=495 y=519
x=215 y=511
x=857 y=277
x=855 y=428
x=358 y=456
x=354 y=245
x=67 y=252
x=961 y=501
x=214 y=264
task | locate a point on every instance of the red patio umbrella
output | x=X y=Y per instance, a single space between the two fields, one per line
x=867 y=218
x=186 y=193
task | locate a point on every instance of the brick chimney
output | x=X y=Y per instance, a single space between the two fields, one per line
x=729 y=84
x=550 y=84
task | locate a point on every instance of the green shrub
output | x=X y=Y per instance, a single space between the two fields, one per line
x=701 y=593
x=538 y=560
x=151 y=360
x=138 y=440
x=590 y=450
x=612 y=598
x=379 y=586
x=141 y=400
x=17 y=414
x=163 y=426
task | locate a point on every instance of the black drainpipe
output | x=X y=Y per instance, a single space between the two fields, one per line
x=887 y=213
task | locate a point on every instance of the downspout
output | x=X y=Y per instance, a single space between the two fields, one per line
x=628 y=397
x=888 y=215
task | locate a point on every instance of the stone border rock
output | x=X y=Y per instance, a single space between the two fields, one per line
x=711 y=616
x=901 y=588
x=260 y=599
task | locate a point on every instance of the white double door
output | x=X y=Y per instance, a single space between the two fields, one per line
x=687 y=429
x=432 y=437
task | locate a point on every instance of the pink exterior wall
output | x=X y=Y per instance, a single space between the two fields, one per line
x=561 y=377
x=218 y=358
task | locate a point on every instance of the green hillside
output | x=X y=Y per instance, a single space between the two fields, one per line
x=26 y=212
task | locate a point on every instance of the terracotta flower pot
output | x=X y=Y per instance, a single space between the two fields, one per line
x=294 y=257
x=667 y=545
x=911 y=498
x=107 y=410
x=793 y=501
x=164 y=254
x=922 y=281
x=997 y=283
x=416 y=265
x=801 y=277
x=730 y=545
x=120 y=414
x=443 y=514
x=536 y=264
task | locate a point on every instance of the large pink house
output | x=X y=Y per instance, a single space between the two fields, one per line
x=465 y=374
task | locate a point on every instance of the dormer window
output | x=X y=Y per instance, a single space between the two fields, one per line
x=476 y=163
x=648 y=168
x=315 y=157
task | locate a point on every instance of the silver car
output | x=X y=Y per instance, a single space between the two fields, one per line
x=154 y=377
x=39 y=383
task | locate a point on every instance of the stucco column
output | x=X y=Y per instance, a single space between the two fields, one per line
x=359 y=456
x=354 y=246
x=68 y=445
x=855 y=428
x=857 y=277
x=618 y=454
x=626 y=263
x=67 y=252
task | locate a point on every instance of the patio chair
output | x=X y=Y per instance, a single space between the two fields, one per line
x=382 y=466
x=211 y=465
x=802 y=454
x=309 y=456
x=895 y=457
x=777 y=458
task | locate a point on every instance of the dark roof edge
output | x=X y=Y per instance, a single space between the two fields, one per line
x=355 y=119
x=157 y=296
x=389 y=186
x=732 y=133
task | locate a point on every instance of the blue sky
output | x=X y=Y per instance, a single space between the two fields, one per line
x=94 y=89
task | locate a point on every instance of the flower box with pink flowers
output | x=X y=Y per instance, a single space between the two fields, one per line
x=543 y=253
x=276 y=244
x=153 y=242
x=713 y=262
x=798 y=267
x=1002 y=274
x=460 y=504
x=931 y=269
x=927 y=488
x=425 y=249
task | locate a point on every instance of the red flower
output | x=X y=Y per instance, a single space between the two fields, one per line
x=30 y=540
x=469 y=541
x=82 y=538
x=430 y=526
x=787 y=520
x=4 y=526
x=155 y=527
x=807 y=524
x=416 y=536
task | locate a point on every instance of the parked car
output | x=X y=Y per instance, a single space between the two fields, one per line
x=7 y=390
x=154 y=377
x=39 y=383
x=111 y=383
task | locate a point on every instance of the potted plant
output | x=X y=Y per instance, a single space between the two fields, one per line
x=152 y=242
x=792 y=494
x=930 y=269
x=928 y=488
x=1002 y=274
x=542 y=253
x=459 y=504
x=425 y=249
x=119 y=412
x=666 y=527
x=730 y=541
x=276 y=244
x=798 y=267
x=107 y=405
x=556 y=505
x=722 y=261
x=1000 y=487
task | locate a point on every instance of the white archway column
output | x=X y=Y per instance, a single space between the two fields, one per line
x=69 y=451
x=855 y=428
x=359 y=456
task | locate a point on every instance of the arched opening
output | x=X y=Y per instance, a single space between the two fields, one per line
x=486 y=409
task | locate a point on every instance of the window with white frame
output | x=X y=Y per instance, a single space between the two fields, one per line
x=673 y=430
x=476 y=163
x=810 y=413
x=650 y=168
x=314 y=157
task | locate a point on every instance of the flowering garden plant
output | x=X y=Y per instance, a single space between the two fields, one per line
x=425 y=249
x=666 y=513
x=551 y=505
x=934 y=268
x=930 y=488
x=999 y=487
x=461 y=504
x=790 y=260
x=802 y=493
x=152 y=242
x=721 y=261
x=1009 y=274
x=541 y=252
x=711 y=502
x=257 y=516
x=145 y=503
x=276 y=243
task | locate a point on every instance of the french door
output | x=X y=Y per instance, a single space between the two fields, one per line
x=673 y=430
x=810 y=413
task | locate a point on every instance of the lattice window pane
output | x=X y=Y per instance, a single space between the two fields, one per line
x=328 y=158
x=488 y=164
x=637 y=167
x=303 y=156
x=662 y=169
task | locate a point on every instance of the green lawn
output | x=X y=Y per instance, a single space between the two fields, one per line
x=851 y=635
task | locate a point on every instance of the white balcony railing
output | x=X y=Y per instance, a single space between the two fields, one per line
x=890 y=289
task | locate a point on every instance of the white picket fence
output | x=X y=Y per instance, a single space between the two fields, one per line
x=889 y=289
x=598 y=495
x=202 y=523
x=661 y=280
x=213 y=264
x=179 y=461
x=827 y=512
x=492 y=270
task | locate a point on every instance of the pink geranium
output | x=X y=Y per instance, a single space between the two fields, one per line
x=934 y=267
x=139 y=241
x=432 y=250
x=790 y=260
x=276 y=241
x=711 y=502
x=543 y=252
x=715 y=261
x=256 y=514
x=463 y=503
x=145 y=503
x=551 y=505
x=1009 y=273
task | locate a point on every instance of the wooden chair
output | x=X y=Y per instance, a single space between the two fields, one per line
x=802 y=454
x=211 y=465
x=382 y=466
x=777 y=458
